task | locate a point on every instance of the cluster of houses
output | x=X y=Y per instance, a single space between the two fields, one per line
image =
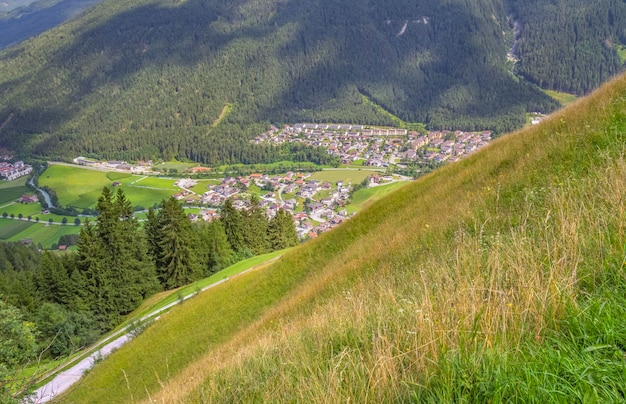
x=293 y=192
x=12 y=171
x=445 y=145
x=379 y=147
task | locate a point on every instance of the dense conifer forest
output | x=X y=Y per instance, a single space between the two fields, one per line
x=53 y=305
x=197 y=79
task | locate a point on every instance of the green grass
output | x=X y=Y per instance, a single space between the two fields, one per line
x=75 y=186
x=153 y=182
x=12 y=227
x=621 y=52
x=16 y=230
x=25 y=209
x=33 y=210
x=562 y=98
x=202 y=186
x=177 y=165
x=81 y=188
x=223 y=115
x=334 y=175
x=500 y=277
x=198 y=285
x=12 y=190
x=365 y=197
x=115 y=176
x=20 y=182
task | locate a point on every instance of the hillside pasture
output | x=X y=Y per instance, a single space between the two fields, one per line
x=500 y=276
x=562 y=98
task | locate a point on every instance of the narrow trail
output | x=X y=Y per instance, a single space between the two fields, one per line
x=66 y=378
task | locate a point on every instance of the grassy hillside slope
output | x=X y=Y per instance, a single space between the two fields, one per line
x=498 y=277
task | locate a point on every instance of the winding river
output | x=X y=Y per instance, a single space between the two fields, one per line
x=46 y=196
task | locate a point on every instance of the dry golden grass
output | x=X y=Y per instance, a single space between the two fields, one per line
x=383 y=333
x=394 y=307
x=480 y=256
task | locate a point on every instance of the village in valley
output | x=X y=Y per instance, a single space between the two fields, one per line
x=318 y=201
x=380 y=147
x=318 y=206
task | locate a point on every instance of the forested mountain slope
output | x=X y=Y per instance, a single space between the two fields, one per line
x=20 y=20
x=569 y=45
x=195 y=79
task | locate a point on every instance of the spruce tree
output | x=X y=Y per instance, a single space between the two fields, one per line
x=256 y=225
x=282 y=231
x=233 y=226
x=177 y=263
x=112 y=259
x=217 y=253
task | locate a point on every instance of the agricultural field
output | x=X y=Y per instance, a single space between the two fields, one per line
x=202 y=185
x=81 y=188
x=42 y=232
x=75 y=186
x=12 y=190
x=12 y=227
x=155 y=183
x=174 y=165
x=33 y=210
x=346 y=175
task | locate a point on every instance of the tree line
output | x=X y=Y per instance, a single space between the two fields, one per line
x=55 y=304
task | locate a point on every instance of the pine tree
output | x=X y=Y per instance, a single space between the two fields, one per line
x=233 y=226
x=177 y=263
x=282 y=231
x=113 y=262
x=52 y=280
x=217 y=253
x=256 y=225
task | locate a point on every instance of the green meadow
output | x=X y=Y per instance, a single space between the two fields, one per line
x=366 y=196
x=81 y=188
x=563 y=98
x=40 y=233
x=346 y=175
x=12 y=190
x=174 y=165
